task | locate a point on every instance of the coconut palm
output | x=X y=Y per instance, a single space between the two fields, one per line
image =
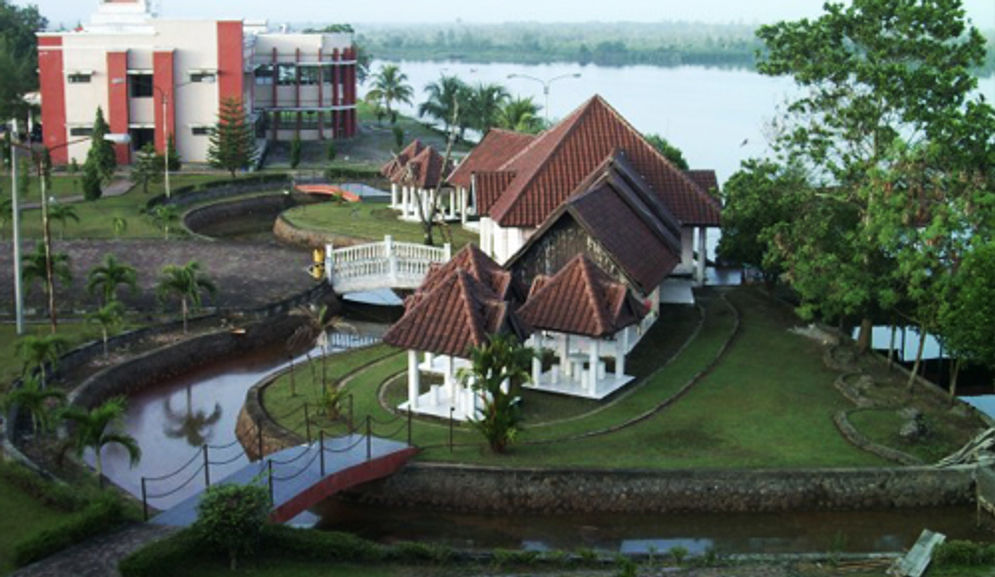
x=520 y=115
x=105 y=278
x=33 y=268
x=62 y=213
x=317 y=321
x=98 y=427
x=185 y=283
x=36 y=400
x=109 y=318
x=484 y=103
x=442 y=98
x=390 y=86
x=36 y=351
x=191 y=425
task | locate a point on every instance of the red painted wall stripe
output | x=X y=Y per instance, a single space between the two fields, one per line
x=164 y=78
x=117 y=105
x=53 y=94
x=230 y=65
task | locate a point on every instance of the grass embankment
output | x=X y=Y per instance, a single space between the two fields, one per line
x=22 y=515
x=768 y=403
x=370 y=221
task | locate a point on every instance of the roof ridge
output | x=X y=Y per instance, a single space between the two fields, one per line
x=588 y=277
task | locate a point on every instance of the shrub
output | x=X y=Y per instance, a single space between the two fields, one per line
x=40 y=489
x=319 y=545
x=624 y=567
x=678 y=553
x=162 y=557
x=331 y=152
x=91 y=182
x=231 y=517
x=102 y=515
x=964 y=553
x=295 y=152
x=414 y=551
x=398 y=136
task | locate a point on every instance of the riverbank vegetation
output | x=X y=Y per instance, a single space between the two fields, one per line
x=602 y=43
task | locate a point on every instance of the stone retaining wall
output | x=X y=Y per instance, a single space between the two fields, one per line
x=509 y=491
x=856 y=438
x=197 y=218
x=290 y=234
x=256 y=431
x=235 y=187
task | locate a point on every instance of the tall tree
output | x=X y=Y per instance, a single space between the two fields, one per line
x=109 y=318
x=101 y=154
x=443 y=95
x=35 y=267
x=96 y=428
x=390 y=86
x=39 y=351
x=33 y=398
x=874 y=71
x=966 y=317
x=18 y=56
x=668 y=150
x=233 y=140
x=484 y=102
x=520 y=115
x=185 y=283
x=107 y=277
x=148 y=167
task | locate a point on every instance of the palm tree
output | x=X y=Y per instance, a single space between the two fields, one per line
x=120 y=225
x=484 y=104
x=317 y=321
x=497 y=370
x=520 y=115
x=99 y=427
x=164 y=216
x=36 y=400
x=442 y=98
x=106 y=277
x=36 y=351
x=33 y=268
x=109 y=318
x=185 y=283
x=390 y=86
x=62 y=213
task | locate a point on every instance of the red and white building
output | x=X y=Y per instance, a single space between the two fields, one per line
x=156 y=78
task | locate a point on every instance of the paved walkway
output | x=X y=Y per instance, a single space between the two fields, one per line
x=116 y=188
x=97 y=557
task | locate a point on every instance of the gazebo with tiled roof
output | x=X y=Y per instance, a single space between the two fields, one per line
x=497 y=147
x=415 y=176
x=444 y=323
x=581 y=313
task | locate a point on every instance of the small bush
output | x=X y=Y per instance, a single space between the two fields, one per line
x=588 y=556
x=42 y=490
x=331 y=152
x=678 y=553
x=295 y=152
x=625 y=567
x=515 y=557
x=319 y=545
x=232 y=517
x=964 y=553
x=161 y=558
x=102 y=515
x=414 y=551
x=343 y=172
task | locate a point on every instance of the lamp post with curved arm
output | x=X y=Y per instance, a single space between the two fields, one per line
x=207 y=79
x=545 y=86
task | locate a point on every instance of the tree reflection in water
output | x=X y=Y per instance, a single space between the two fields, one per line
x=194 y=426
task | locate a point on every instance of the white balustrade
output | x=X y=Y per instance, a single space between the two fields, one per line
x=386 y=264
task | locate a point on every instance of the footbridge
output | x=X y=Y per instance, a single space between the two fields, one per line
x=296 y=478
x=380 y=265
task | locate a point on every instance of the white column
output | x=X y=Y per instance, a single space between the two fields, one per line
x=414 y=380
x=405 y=198
x=393 y=195
x=592 y=374
x=462 y=203
x=702 y=254
x=687 y=246
x=621 y=348
x=429 y=360
x=388 y=242
x=452 y=203
x=451 y=382
x=536 y=360
x=564 y=354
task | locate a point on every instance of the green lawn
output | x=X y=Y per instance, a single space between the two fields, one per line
x=769 y=403
x=22 y=515
x=882 y=426
x=369 y=221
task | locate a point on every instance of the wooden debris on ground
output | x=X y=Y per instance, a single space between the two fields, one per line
x=977 y=450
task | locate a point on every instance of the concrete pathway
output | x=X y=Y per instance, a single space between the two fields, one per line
x=97 y=557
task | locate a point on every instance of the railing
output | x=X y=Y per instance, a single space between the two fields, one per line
x=386 y=264
x=201 y=460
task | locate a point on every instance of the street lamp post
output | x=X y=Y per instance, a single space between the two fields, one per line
x=545 y=86
x=165 y=125
x=16 y=223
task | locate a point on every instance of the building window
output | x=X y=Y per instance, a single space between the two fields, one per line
x=79 y=78
x=201 y=130
x=141 y=85
x=309 y=75
x=81 y=131
x=286 y=74
x=207 y=77
x=264 y=75
x=141 y=136
x=309 y=120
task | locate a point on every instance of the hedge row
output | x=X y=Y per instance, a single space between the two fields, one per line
x=263 y=178
x=338 y=172
x=104 y=514
x=50 y=494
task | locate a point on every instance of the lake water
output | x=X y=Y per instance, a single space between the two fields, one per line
x=716 y=116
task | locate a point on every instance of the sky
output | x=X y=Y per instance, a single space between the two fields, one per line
x=68 y=12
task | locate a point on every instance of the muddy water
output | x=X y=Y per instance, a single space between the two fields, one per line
x=173 y=420
x=857 y=532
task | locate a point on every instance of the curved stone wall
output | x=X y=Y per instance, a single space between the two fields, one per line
x=290 y=234
x=198 y=218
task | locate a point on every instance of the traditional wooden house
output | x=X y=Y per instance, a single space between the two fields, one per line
x=582 y=315
x=457 y=307
x=415 y=175
x=496 y=148
x=514 y=199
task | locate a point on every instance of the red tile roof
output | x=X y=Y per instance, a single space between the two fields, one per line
x=481 y=267
x=496 y=148
x=617 y=209
x=394 y=166
x=424 y=170
x=549 y=169
x=581 y=299
x=706 y=180
x=488 y=187
x=455 y=316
